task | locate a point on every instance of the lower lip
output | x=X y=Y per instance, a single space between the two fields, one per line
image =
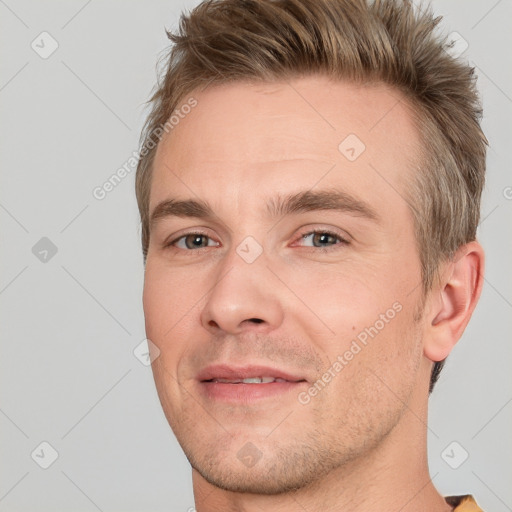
x=248 y=392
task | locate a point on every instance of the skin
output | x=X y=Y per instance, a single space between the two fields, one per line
x=359 y=443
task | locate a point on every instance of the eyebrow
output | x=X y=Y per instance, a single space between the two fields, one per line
x=278 y=206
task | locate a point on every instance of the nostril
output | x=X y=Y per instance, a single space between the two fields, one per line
x=256 y=320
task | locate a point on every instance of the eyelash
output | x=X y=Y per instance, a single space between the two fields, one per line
x=341 y=241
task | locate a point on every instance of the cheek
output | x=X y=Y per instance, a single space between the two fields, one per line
x=340 y=303
x=363 y=321
x=373 y=371
x=169 y=298
x=168 y=308
x=168 y=295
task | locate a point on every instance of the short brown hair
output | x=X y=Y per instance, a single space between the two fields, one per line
x=386 y=41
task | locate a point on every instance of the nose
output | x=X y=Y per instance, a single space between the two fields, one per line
x=243 y=298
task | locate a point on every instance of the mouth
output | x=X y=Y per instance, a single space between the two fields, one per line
x=246 y=384
x=249 y=380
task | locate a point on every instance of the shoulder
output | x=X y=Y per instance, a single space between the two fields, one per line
x=465 y=503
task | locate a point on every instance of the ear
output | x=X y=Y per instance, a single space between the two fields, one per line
x=452 y=300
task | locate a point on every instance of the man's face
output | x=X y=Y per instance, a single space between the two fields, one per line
x=250 y=290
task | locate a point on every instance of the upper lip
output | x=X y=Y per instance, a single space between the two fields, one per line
x=225 y=371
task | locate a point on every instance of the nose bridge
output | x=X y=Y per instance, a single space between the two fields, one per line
x=242 y=292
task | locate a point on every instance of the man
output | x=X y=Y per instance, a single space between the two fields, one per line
x=309 y=190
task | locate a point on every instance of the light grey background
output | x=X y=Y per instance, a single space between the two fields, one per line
x=69 y=325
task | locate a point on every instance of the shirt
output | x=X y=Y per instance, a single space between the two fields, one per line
x=463 y=503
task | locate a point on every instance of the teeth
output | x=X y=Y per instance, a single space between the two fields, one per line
x=250 y=380
x=253 y=380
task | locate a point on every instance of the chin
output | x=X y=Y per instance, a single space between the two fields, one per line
x=264 y=481
x=278 y=471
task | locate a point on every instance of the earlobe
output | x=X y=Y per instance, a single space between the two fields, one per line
x=453 y=300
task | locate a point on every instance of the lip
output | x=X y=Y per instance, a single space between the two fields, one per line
x=246 y=393
x=224 y=371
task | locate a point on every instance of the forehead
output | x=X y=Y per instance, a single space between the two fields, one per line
x=246 y=138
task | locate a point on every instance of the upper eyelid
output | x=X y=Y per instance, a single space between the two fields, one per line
x=342 y=238
x=331 y=231
x=175 y=238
